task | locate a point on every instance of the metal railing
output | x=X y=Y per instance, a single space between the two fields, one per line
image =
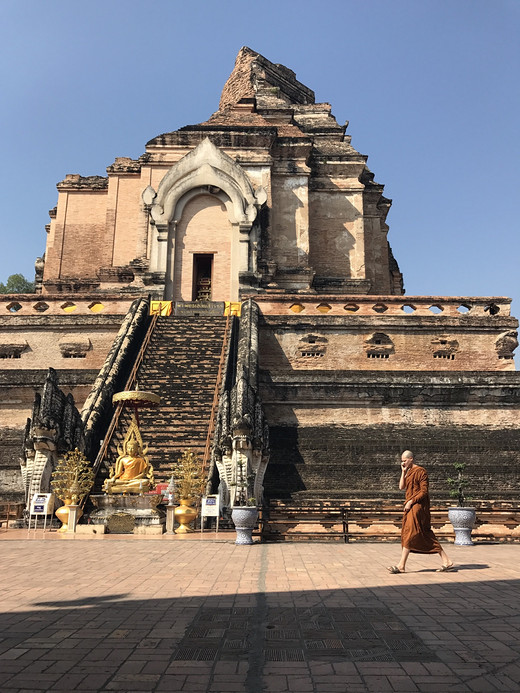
x=216 y=394
x=128 y=386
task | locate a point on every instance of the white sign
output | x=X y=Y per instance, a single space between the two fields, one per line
x=210 y=506
x=42 y=504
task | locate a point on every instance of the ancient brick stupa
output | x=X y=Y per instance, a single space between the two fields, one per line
x=266 y=200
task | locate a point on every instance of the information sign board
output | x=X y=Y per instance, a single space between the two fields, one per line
x=42 y=504
x=210 y=507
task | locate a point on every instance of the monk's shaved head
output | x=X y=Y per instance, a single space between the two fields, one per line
x=407 y=455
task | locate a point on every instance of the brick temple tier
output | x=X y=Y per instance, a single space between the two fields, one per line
x=284 y=333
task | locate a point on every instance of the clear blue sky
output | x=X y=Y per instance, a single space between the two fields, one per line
x=430 y=87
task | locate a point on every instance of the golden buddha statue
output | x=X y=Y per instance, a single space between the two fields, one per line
x=132 y=472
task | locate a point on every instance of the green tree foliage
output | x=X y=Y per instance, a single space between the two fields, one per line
x=17 y=284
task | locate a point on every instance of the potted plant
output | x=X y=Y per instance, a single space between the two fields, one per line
x=462 y=517
x=245 y=511
x=189 y=482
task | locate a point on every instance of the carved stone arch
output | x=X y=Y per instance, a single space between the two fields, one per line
x=202 y=190
x=206 y=165
x=205 y=170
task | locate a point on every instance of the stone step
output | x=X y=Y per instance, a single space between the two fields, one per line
x=181 y=366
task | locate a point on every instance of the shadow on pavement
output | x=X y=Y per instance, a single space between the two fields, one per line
x=115 y=643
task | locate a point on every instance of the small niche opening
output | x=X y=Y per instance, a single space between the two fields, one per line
x=13 y=307
x=408 y=308
x=492 y=309
x=202 y=276
x=436 y=309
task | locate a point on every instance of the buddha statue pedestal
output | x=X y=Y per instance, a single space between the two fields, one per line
x=127 y=506
x=117 y=511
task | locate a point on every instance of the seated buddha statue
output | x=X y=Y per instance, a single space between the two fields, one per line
x=132 y=472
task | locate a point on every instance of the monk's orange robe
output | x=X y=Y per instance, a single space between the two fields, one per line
x=416 y=532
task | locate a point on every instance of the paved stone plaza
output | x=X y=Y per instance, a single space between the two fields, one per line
x=119 y=613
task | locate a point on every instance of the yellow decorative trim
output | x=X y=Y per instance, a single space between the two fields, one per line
x=96 y=307
x=323 y=308
x=296 y=307
x=69 y=307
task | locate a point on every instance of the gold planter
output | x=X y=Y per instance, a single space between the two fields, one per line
x=184 y=514
x=63 y=514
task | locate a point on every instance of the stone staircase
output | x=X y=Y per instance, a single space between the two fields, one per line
x=181 y=365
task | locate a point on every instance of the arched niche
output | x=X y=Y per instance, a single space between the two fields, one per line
x=204 y=171
x=203 y=251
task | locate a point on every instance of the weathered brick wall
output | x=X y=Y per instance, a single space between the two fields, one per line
x=18 y=388
x=336 y=233
x=412 y=350
x=376 y=255
x=65 y=341
x=363 y=461
x=239 y=84
x=127 y=220
x=80 y=225
x=289 y=219
x=358 y=398
x=382 y=342
x=11 y=487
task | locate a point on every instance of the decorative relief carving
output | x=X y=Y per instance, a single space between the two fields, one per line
x=506 y=345
x=205 y=170
x=379 y=346
x=312 y=346
x=74 y=346
x=206 y=165
x=55 y=428
x=12 y=348
x=444 y=347
x=241 y=440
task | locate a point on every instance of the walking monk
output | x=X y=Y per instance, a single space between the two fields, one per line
x=416 y=532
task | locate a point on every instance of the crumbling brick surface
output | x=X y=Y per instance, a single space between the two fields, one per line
x=239 y=84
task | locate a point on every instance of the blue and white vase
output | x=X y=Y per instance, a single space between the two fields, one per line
x=244 y=518
x=463 y=520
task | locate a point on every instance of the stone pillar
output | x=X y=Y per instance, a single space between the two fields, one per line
x=73 y=519
x=170 y=519
x=159 y=249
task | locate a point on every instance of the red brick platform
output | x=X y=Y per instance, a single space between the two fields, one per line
x=119 y=613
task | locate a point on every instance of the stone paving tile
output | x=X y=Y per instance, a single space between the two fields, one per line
x=163 y=615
